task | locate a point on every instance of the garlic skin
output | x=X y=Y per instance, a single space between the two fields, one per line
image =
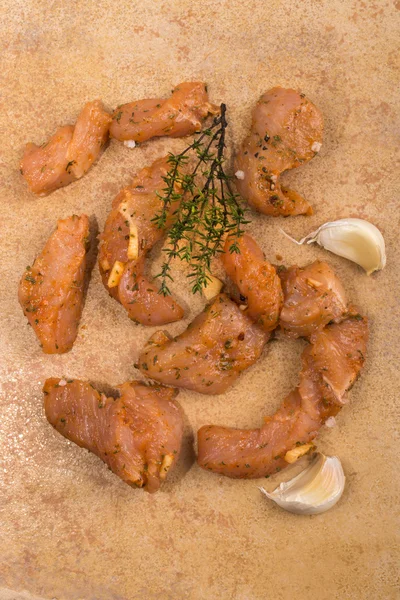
x=314 y=491
x=355 y=239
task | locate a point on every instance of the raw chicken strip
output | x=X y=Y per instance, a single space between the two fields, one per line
x=138 y=435
x=51 y=291
x=129 y=234
x=179 y=115
x=69 y=153
x=337 y=353
x=330 y=366
x=286 y=132
x=258 y=283
x=209 y=356
x=313 y=296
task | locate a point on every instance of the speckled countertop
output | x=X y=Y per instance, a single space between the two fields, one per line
x=69 y=528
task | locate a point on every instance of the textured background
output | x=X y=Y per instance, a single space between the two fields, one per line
x=71 y=529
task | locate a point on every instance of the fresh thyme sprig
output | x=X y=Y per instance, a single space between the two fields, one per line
x=208 y=207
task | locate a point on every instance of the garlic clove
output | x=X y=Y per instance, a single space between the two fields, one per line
x=315 y=490
x=355 y=239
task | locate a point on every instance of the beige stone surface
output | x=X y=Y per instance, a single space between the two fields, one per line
x=69 y=528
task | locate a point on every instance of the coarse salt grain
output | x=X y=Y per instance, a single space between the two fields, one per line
x=62 y=382
x=239 y=174
x=316 y=147
x=330 y=422
x=130 y=143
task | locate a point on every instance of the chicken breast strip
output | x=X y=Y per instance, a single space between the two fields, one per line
x=177 y=116
x=129 y=234
x=286 y=132
x=138 y=435
x=258 y=283
x=313 y=297
x=209 y=356
x=51 y=291
x=69 y=153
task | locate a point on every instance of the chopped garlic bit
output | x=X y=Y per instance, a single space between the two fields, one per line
x=314 y=283
x=105 y=265
x=133 y=245
x=213 y=288
x=116 y=274
x=292 y=455
x=239 y=174
x=316 y=146
x=130 y=143
x=243 y=307
x=355 y=239
x=165 y=465
x=125 y=210
x=314 y=491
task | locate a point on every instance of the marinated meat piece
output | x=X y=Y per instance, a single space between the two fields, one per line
x=138 y=435
x=286 y=132
x=313 y=296
x=45 y=167
x=179 y=115
x=90 y=134
x=142 y=301
x=330 y=366
x=129 y=234
x=209 y=356
x=337 y=354
x=69 y=153
x=256 y=279
x=51 y=292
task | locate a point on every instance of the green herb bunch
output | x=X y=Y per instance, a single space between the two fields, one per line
x=208 y=207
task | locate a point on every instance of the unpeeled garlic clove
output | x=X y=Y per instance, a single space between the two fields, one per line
x=355 y=239
x=314 y=491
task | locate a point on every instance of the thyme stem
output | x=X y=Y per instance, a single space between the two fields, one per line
x=208 y=208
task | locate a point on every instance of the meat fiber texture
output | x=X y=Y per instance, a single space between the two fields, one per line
x=138 y=435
